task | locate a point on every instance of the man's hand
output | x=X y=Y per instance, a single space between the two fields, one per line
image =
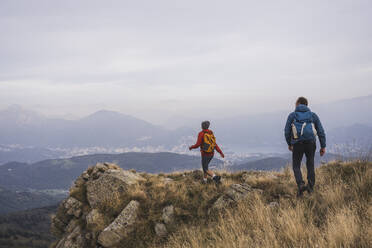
x=290 y=148
x=322 y=151
x=222 y=155
x=190 y=148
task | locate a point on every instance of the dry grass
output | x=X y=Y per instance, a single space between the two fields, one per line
x=337 y=214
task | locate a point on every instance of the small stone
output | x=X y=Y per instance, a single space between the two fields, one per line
x=88 y=236
x=71 y=226
x=273 y=204
x=161 y=230
x=235 y=193
x=95 y=221
x=85 y=175
x=258 y=191
x=101 y=167
x=73 y=207
x=112 y=166
x=167 y=180
x=168 y=214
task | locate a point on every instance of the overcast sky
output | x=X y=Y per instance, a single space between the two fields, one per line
x=161 y=59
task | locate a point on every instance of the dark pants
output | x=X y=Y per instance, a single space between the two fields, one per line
x=299 y=149
x=205 y=162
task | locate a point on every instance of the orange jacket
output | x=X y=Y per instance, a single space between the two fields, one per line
x=200 y=141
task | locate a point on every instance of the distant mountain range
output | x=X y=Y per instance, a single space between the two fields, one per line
x=26 y=136
x=60 y=173
x=352 y=136
x=27 y=154
x=276 y=163
x=264 y=132
x=103 y=128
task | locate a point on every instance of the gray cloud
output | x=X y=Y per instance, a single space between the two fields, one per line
x=156 y=59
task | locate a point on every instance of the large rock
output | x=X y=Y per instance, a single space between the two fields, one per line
x=235 y=193
x=120 y=227
x=107 y=192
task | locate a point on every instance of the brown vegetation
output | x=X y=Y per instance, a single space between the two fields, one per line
x=337 y=214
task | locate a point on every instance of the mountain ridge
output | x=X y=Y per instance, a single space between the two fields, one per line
x=176 y=210
x=60 y=173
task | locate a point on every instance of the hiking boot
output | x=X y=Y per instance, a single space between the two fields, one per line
x=301 y=189
x=217 y=179
x=309 y=189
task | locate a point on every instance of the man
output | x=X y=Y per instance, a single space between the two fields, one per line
x=300 y=132
x=207 y=143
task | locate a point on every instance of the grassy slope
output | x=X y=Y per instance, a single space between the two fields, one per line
x=337 y=214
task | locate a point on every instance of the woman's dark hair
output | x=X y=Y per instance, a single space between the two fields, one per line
x=302 y=100
x=205 y=124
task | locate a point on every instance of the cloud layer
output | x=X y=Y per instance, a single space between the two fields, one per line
x=157 y=59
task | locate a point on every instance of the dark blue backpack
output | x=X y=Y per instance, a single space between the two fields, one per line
x=303 y=127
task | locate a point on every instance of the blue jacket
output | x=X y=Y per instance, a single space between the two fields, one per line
x=318 y=126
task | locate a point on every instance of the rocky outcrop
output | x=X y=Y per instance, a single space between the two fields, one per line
x=109 y=207
x=120 y=227
x=108 y=191
x=97 y=211
x=235 y=193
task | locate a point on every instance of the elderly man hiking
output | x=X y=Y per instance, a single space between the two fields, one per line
x=300 y=132
x=207 y=143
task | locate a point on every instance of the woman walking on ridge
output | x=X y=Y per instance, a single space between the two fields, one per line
x=207 y=143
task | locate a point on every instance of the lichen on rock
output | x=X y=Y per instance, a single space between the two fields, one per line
x=120 y=227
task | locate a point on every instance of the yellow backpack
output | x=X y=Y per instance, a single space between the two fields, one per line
x=209 y=142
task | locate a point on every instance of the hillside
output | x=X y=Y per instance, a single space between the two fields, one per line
x=61 y=173
x=271 y=163
x=13 y=201
x=249 y=209
x=27 y=229
x=276 y=163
